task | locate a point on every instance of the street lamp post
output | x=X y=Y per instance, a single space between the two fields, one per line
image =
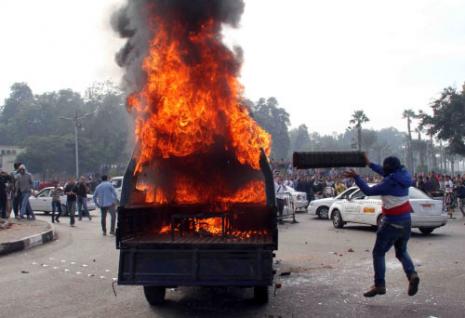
x=76 y=120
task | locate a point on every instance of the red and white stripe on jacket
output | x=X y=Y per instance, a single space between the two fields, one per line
x=393 y=205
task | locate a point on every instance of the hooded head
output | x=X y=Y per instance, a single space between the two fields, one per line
x=22 y=169
x=391 y=164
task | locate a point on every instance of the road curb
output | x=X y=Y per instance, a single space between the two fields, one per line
x=29 y=241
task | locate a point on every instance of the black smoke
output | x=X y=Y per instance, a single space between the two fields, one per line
x=133 y=22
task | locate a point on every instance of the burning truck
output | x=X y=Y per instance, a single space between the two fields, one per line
x=197 y=204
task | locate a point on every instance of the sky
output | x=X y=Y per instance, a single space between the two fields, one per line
x=321 y=59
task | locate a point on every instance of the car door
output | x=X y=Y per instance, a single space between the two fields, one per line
x=353 y=206
x=43 y=201
x=369 y=210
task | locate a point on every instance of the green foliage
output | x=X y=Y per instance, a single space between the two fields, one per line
x=300 y=139
x=448 y=119
x=275 y=120
x=37 y=123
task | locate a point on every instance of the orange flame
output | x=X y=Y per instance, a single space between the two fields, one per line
x=185 y=106
x=190 y=106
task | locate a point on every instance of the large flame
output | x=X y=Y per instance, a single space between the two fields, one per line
x=197 y=143
x=189 y=104
x=185 y=105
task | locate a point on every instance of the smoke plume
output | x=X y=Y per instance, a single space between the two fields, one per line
x=135 y=22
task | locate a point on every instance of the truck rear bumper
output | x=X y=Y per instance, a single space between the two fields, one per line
x=196 y=267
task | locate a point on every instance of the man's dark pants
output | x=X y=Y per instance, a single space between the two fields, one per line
x=3 y=205
x=104 y=211
x=390 y=234
x=281 y=203
x=16 y=201
x=56 y=207
x=82 y=207
x=71 y=208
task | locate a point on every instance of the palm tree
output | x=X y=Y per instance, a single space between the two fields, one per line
x=359 y=118
x=409 y=115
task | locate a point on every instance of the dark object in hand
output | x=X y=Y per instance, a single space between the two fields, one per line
x=329 y=159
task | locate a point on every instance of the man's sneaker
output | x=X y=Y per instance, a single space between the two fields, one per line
x=375 y=290
x=414 y=281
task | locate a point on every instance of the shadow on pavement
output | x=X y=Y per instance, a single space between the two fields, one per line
x=209 y=302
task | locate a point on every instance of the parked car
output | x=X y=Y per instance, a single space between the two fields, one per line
x=299 y=199
x=42 y=201
x=320 y=207
x=358 y=208
x=117 y=183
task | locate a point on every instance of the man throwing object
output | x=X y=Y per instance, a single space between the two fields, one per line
x=395 y=227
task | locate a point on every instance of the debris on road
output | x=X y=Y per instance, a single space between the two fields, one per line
x=24 y=272
x=350 y=250
x=285 y=274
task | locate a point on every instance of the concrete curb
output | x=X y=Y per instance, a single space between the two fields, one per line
x=28 y=242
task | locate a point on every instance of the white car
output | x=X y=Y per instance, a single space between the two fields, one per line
x=320 y=207
x=42 y=201
x=117 y=183
x=299 y=199
x=358 y=208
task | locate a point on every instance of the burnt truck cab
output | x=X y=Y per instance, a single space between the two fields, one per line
x=169 y=245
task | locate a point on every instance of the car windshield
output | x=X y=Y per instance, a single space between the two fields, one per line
x=415 y=193
x=346 y=193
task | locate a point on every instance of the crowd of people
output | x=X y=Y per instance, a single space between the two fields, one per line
x=450 y=188
x=323 y=183
x=17 y=187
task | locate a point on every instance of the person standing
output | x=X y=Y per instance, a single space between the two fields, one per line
x=24 y=187
x=70 y=191
x=56 y=194
x=105 y=198
x=395 y=227
x=15 y=195
x=4 y=185
x=81 y=191
x=281 y=195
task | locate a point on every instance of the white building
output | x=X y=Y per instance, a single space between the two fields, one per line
x=8 y=156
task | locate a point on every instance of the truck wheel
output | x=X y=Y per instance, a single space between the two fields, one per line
x=337 y=220
x=260 y=294
x=322 y=212
x=155 y=295
x=426 y=230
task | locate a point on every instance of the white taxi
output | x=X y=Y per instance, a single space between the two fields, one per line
x=427 y=213
x=320 y=207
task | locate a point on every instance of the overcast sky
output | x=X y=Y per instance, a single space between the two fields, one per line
x=320 y=59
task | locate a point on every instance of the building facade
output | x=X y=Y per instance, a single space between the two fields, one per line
x=8 y=155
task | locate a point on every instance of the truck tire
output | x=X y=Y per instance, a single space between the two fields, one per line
x=338 y=222
x=426 y=230
x=322 y=212
x=155 y=295
x=261 y=294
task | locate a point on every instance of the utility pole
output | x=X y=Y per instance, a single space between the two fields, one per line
x=76 y=120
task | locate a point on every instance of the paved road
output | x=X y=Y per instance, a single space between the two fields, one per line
x=72 y=277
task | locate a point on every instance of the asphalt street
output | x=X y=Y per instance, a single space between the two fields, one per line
x=329 y=270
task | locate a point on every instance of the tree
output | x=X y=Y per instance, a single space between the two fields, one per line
x=300 y=139
x=275 y=120
x=359 y=118
x=447 y=121
x=35 y=122
x=409 y=115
